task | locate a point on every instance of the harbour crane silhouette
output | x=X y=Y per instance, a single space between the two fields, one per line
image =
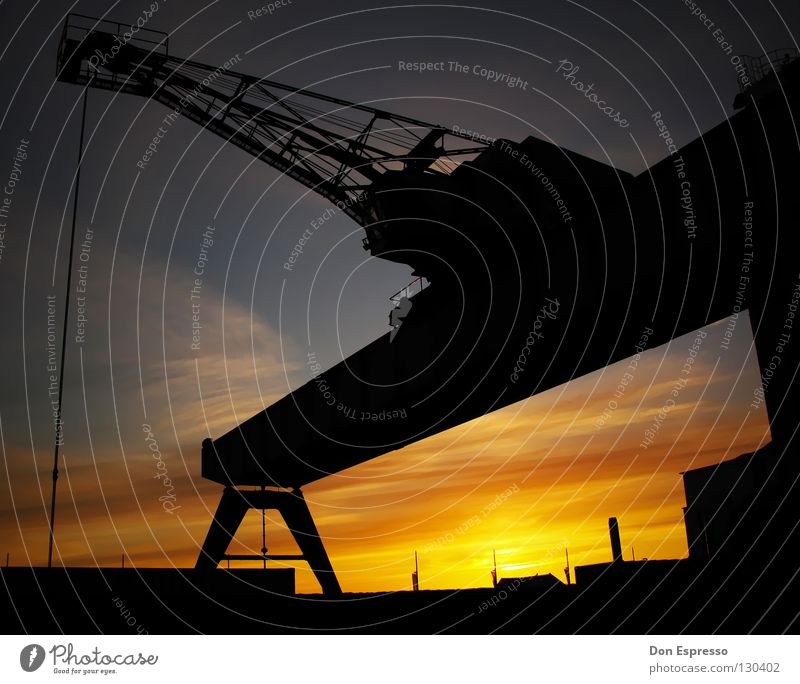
x=543 y=264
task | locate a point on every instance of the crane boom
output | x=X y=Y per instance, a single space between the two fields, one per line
x=334 y=147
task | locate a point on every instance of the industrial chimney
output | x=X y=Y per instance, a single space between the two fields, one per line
x=616 y=545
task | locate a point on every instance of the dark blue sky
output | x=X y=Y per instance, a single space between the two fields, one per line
x=136 y=364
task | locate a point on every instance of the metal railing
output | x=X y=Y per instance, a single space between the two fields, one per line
x=415 y=286
x=78 y=27
x=757 y=67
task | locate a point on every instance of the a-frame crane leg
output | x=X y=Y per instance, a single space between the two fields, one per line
x=292 y=506
x=229 y=515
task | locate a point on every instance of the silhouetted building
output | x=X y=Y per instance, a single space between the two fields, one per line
x=635 y=573
x=717 y=499
x=532 y=582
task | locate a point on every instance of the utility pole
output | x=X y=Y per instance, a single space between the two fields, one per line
x=566 y=570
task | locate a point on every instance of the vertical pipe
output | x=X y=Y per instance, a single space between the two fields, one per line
x=59 y=431
x=264 y=533
x=616 y=545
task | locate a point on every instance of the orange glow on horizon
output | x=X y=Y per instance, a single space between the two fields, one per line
x=528 y=481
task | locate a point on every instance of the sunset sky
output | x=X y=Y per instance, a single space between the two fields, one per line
x=557 y=473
